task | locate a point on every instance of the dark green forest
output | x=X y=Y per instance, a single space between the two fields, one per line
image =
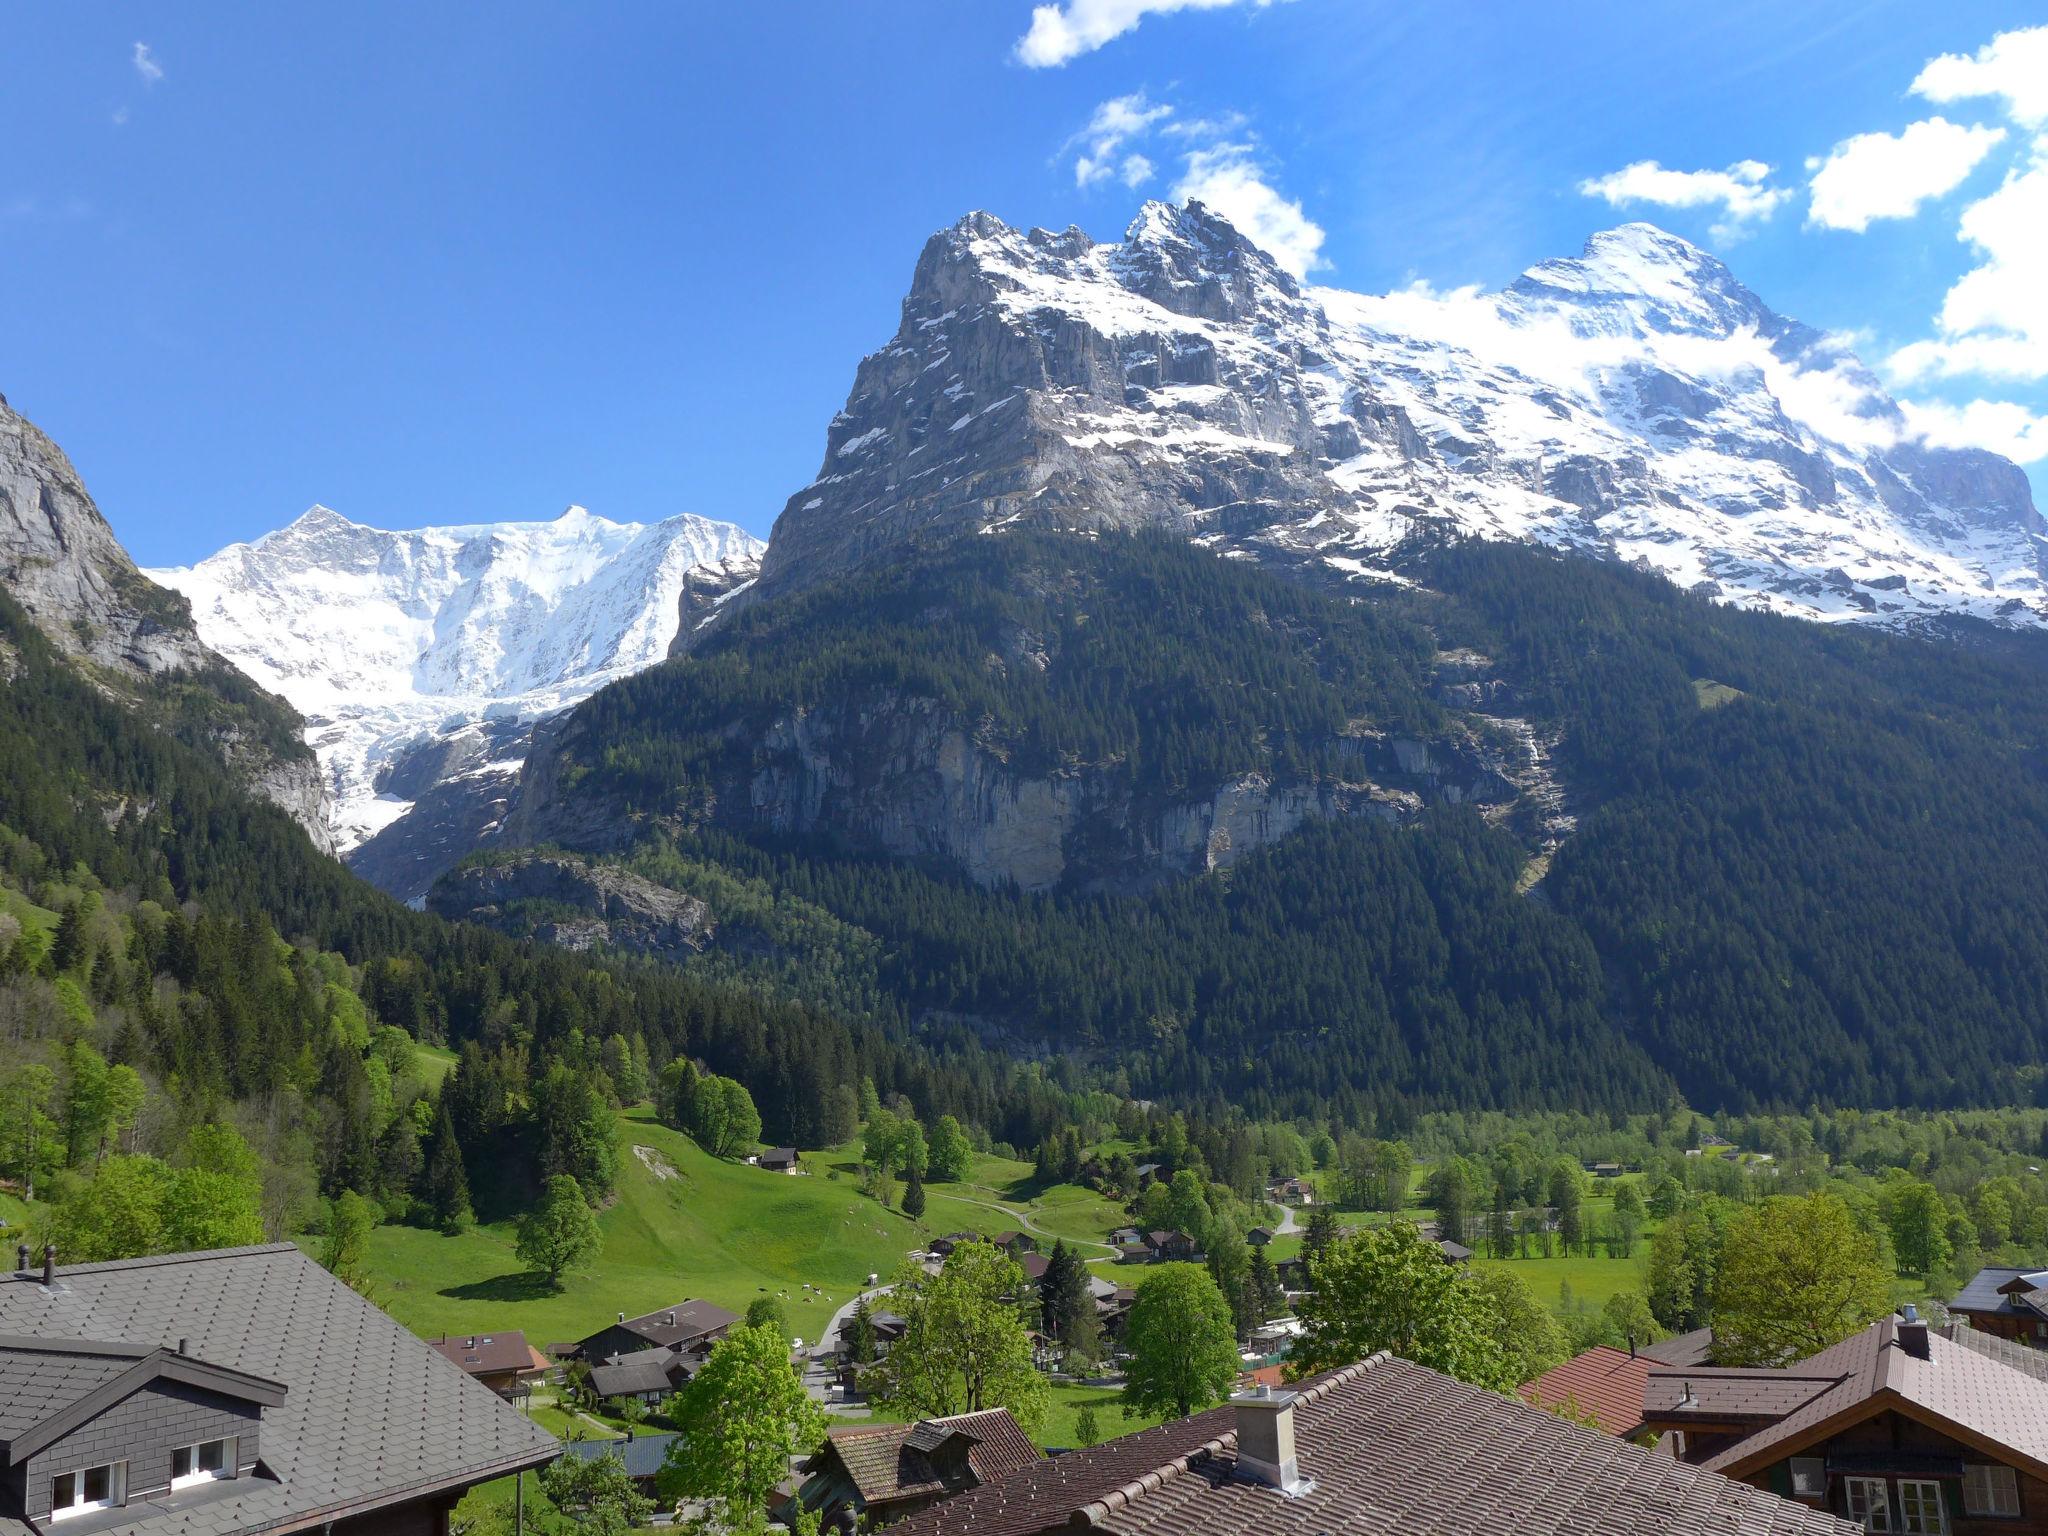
x=1801 y=871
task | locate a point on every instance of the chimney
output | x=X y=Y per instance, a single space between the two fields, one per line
x=671 y=1320
x=49 y=1263
x=1631 y=1346
x=1265 y=1440
x=622 y=1317
x=1913 y=1332
x=21 y=1257
x=184 y=1346
x=1688 y=1400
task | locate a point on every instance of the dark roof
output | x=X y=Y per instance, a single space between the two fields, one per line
x=1975 y=1390
x=48 y=1387
x=1986 y=1292
x=1392 y=1448
x=1693 y=1348
x=369 y=1415
x=1725 y=1394
x=784 y=1155
x=1456 y=1253
x=486 y=1354
x=642 y=1455
x=680 y=1324
x=1605 y=1383
x=888 y=1463
x=641 y=1372
x=1034 y=1266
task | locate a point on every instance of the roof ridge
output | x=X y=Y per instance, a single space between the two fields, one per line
x=1315 y=1392
x=153 y=1260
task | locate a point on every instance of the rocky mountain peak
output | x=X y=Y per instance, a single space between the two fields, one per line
x=1657 y=280
x=1194 y=261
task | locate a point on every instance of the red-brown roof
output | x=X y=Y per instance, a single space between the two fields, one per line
x=891 y=1462
x=1394 y=1450
x=1605 y=1383
x=487 y=1354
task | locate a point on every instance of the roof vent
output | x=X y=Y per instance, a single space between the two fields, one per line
x=184 y=1346
x=670 y=1320
x=49 y=1263
x=622 y=1317
x=1913 y=1332
x=21 y=1257
x=1686 y=1399
x=1265 y=1440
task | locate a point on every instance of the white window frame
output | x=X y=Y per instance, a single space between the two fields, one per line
x=1874 y=1495
x=1991 y=1491
x=117 y=1490
x=229 y=1445
x=1917 y=1498
x=1813 y=1470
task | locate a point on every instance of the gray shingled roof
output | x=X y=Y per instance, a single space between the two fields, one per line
x=371 y=1415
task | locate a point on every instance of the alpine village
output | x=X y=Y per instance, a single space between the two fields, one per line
x=1368 y=859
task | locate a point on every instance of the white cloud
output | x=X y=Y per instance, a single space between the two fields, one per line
x=1229 y=180
x=2012 y=66
x=1998 y=425
x=146 y=64
x=1115 y=123
x=1995 y=319
x=1888 y=176
x=1062 y=32
x=121 y=117
x=1740 y=191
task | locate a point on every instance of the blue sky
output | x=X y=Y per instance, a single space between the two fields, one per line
x=440 y=264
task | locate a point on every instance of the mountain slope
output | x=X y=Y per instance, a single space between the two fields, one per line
x=60 y=561
x=423 y=658
x=1635 y=403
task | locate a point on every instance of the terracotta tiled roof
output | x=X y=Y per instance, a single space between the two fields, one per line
x=1970 y=1387
x=1394 y=1450
x=1606 y=1383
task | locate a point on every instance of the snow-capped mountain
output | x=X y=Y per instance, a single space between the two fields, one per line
x=423 y=658
x=1635 y=403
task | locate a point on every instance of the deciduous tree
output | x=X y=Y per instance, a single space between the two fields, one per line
x=1182 y=1341
x=1797 y=1275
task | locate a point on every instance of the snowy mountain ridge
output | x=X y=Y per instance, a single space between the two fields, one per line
x=449 y=642
x=1635 y=403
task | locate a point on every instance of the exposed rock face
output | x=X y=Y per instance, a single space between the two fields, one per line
x=1633 y=403
x=899 y=777
x=61 y=562
x=576 y=904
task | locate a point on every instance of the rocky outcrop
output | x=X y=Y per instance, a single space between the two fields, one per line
x=62 y=563
x=577 y=904
x=899 y=777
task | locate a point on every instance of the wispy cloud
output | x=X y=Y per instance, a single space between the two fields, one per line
x=2012 y=66
x=1062 y=32
x=1229 y=179
x=1116 y=123
x=1889 y=175
x=146 y=65
x=1742 y=192
x=1999 y=425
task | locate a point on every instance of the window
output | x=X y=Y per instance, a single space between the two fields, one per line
x=1809 y=1477
x=203 y=1462
x=1989 y=1489
x=1870 y=1502
x=1920 y=1508
x=88 y=1489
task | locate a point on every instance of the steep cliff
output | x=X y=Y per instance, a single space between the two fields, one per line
x=62 y=563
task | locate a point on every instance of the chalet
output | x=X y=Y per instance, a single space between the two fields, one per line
x=504 y=1362
x=1603 y=1384
x=1134 y=1253
x=685 y=1327
x=1014 y=1243
x=1603 y=1170
x=780 y=1160
x=1114 y=1310
x=1172 y=1247
x=1034 y=1266
x=943 y=1246
x=1454 y=1253
x=642 y=1455
x=1124 y=1237
x=1292 y=1191
x=232 y=1392
x=2011 y=1303
x=872 y=1474
x=647 y=1376
x=1147 y=1174
x=1374 y=1449
x=1258 y=1237
x=1899 y=1427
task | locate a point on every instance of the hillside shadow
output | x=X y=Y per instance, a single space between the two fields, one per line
x=520 y=1285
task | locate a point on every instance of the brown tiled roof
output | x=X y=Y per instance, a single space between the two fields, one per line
x=1606 y=1383
x=891 y=1462
x=1724 y=1393
x=1970 y=1389
x=485 y=1354
x=681 y=1323
x=1394 y=1450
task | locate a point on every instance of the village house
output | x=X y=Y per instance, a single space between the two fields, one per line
x=504 y=1362
x=2011 y=1303
x=1380 y=1448
x=943 y=1246
x=686 y=1327
x=781 y=1160
x=1015 y=1244
x=1172 y=1247
x=872 y=1474
x=645 y=1376
x=1901 y=1427
x=1292 y=1191
x=232 y=1392
x=642 y=1456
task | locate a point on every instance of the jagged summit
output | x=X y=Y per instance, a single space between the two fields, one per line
x=1635 y=402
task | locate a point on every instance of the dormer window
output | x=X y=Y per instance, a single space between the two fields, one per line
x=202 y=1463
x=88 y=1489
